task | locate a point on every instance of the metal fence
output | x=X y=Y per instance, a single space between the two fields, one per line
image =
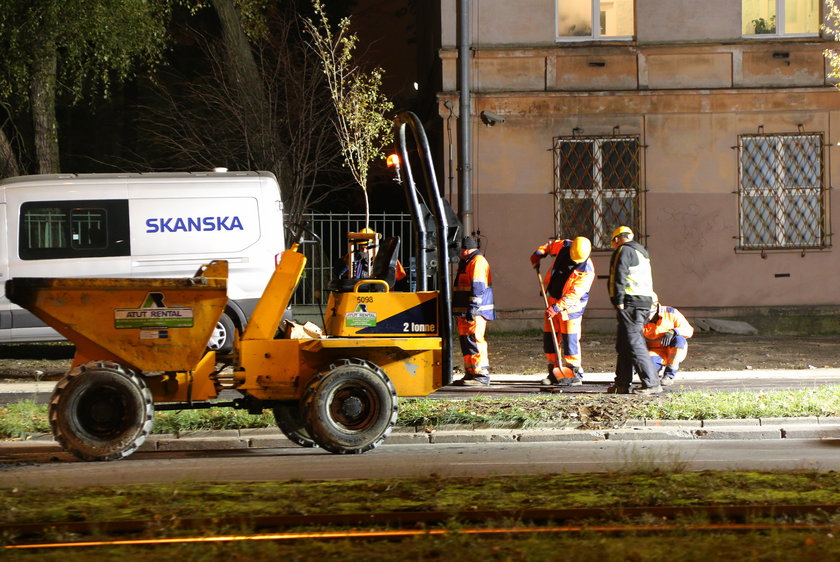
x=324 y=258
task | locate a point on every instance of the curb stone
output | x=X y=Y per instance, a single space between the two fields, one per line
x=638 y=430
x=789 y=421
x=730 y=423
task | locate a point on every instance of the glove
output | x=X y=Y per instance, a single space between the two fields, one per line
x=552 y=311
x=668 y=338
x=535 y=260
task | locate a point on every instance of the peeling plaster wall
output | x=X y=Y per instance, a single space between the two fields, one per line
x=688 y=91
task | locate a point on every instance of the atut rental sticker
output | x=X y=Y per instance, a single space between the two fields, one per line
x=360 y=318
x=153 y=313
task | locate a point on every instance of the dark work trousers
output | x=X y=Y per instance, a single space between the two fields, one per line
x=632 y=350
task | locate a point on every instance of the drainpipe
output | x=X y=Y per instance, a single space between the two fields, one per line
x=464 y=114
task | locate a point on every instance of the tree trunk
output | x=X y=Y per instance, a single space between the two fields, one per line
x=248 y=83
x=8 y=159
x=42 y=93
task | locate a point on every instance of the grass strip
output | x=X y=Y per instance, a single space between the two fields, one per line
x=18 y=420
x=632 y=486
x=166 y=505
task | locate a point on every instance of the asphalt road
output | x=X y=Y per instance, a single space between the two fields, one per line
x=47 y=465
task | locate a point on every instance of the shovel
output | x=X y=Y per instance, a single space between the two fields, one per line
x=558 y=372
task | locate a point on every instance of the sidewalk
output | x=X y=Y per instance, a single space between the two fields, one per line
x=24 y=388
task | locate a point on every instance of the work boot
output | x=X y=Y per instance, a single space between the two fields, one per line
x=668 y=376
x=571 y=381
x=468 y=376
x=577 y=380
x=551 y=379
x=649 y=390
x=477 y=381
x=614 y=389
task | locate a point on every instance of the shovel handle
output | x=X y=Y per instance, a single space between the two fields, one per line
x=550 y=321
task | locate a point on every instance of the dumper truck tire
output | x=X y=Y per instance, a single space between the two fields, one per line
x=350 y=408
x=100 y=411
x=289 y=417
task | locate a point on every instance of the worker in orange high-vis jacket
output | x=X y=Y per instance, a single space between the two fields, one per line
x=567 y=286
x=666 y=333
x=472 y=305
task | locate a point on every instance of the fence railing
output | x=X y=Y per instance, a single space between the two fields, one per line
x=323 y=259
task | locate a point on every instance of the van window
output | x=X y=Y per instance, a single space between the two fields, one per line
x=73 y=229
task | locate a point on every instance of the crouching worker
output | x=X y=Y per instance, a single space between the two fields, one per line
x=666 y=333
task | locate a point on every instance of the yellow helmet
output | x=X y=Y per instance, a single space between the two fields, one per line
x=580 y=249
x=365 y=230
x=623 y=231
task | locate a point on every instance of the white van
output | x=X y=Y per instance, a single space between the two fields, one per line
x=139 y=225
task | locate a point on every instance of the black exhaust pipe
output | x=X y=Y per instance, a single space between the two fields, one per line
x=434 y=200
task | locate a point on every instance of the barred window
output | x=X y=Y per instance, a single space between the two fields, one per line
x=596 y=186
x=781 y=192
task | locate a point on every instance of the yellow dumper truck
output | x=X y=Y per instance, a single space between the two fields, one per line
x=140 y=346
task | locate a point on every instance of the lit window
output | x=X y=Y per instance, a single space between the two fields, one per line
x=781 y=191
x=780 y=17
x=594 y=19
x=596 y=186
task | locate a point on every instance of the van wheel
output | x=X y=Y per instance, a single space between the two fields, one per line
x=289 y=419
x=101 y=412
x=351 y=408
x=221 y=341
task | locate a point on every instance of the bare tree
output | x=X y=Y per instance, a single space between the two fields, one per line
x=360 y=109
x=269 y=117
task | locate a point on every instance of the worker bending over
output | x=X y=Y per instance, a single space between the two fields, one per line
x=567 y=286
x=666 y=333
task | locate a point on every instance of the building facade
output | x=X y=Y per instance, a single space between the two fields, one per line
x=708 y=127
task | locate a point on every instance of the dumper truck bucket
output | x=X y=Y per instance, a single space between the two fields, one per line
x=157 y=324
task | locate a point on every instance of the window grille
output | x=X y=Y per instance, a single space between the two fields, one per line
x=597 y=187
x=44 y=228
x=781 y=192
